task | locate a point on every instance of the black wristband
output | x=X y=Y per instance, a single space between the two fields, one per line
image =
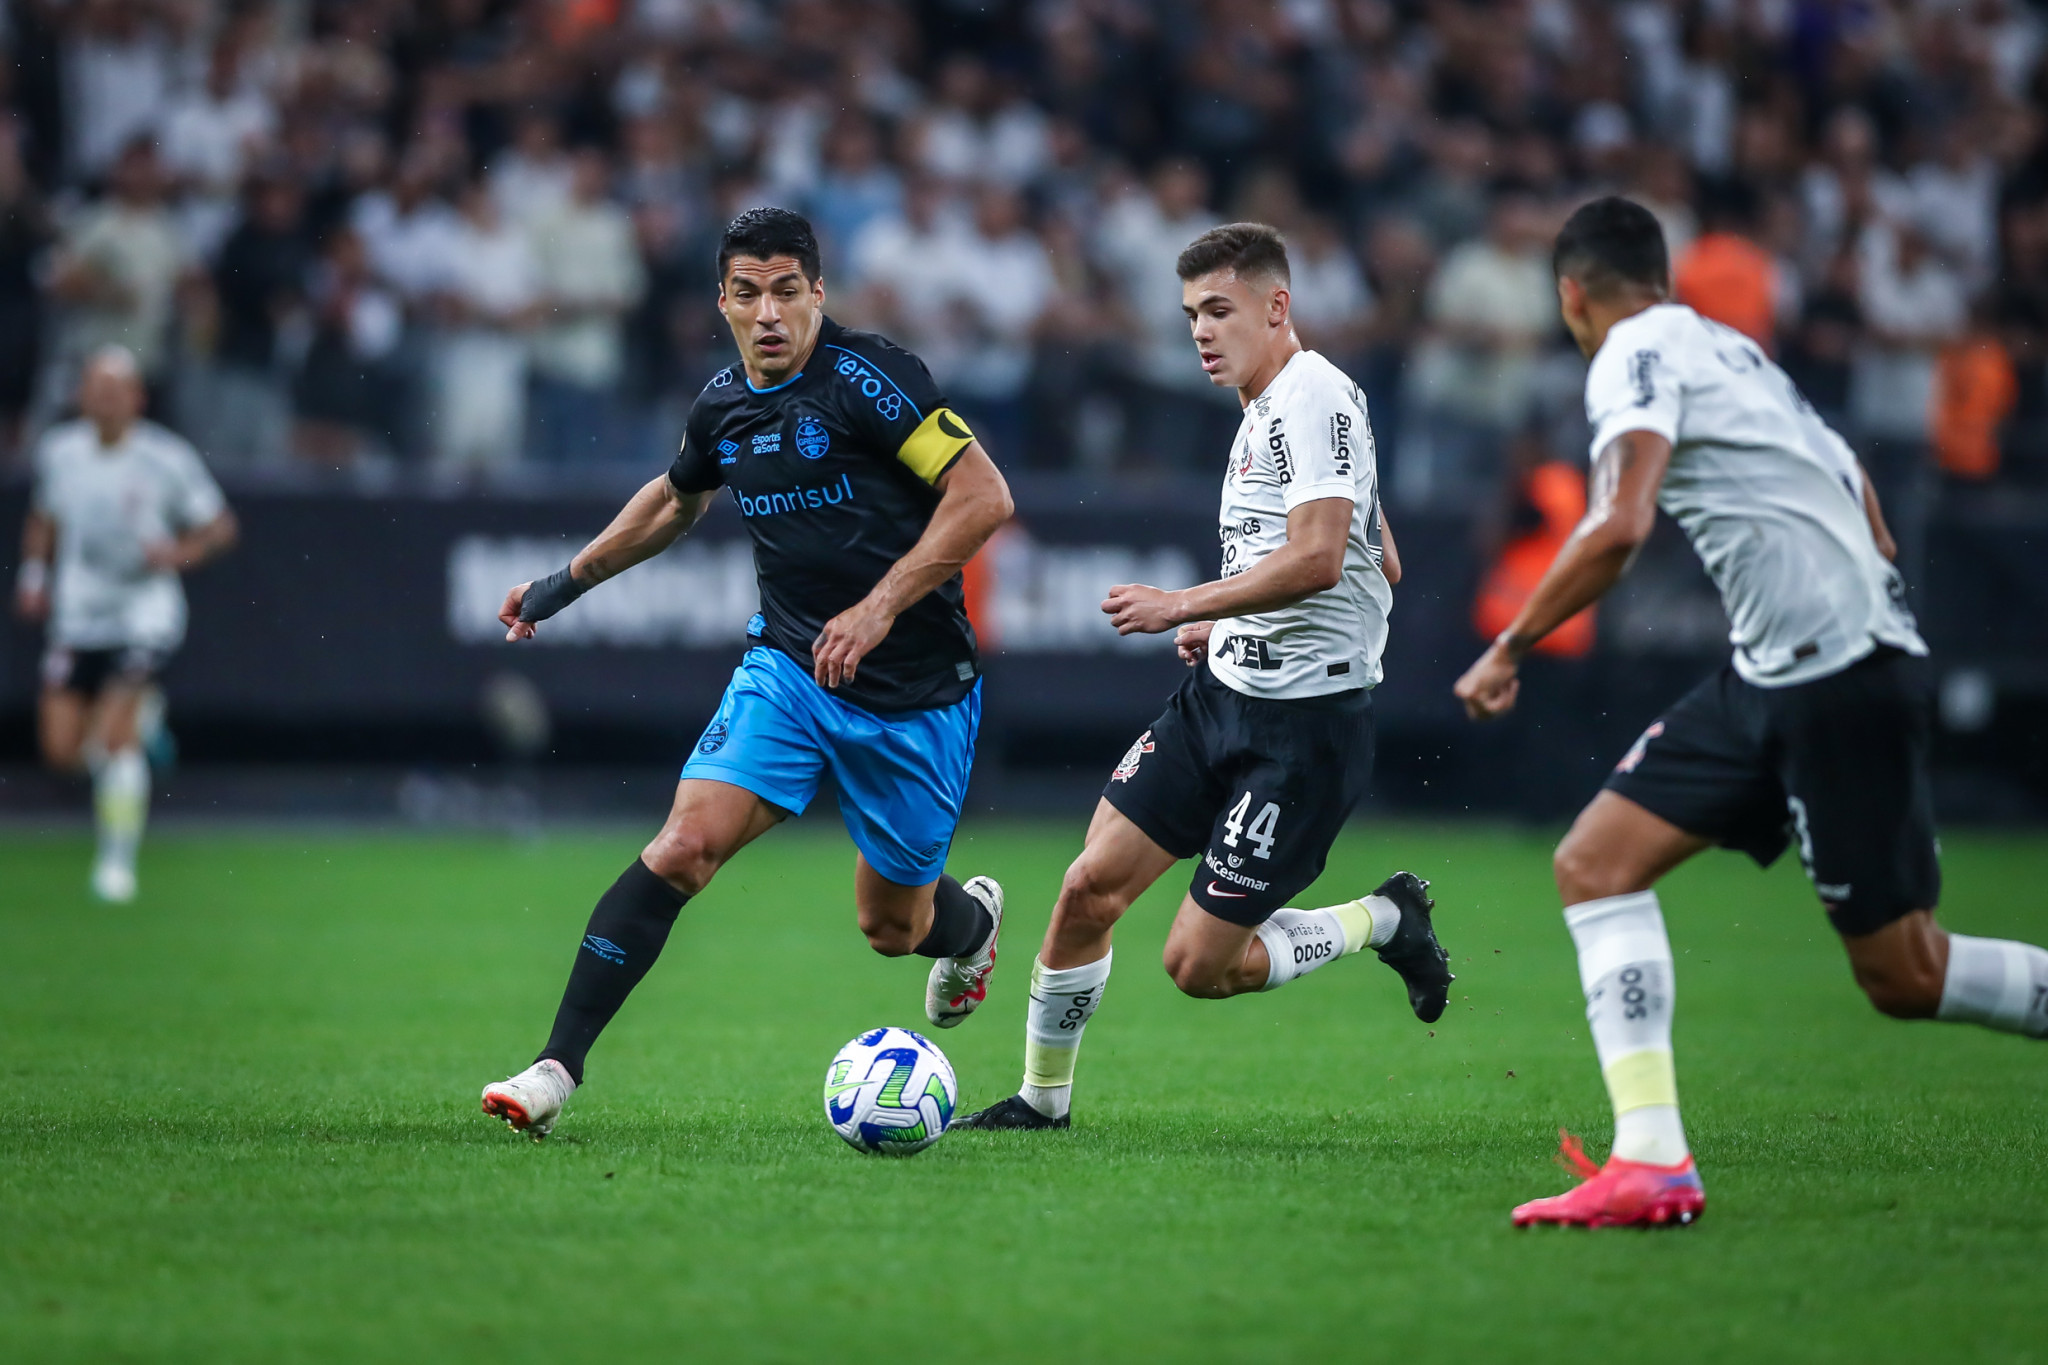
x=549 y=595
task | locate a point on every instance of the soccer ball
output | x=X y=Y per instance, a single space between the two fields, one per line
x=890 y=1091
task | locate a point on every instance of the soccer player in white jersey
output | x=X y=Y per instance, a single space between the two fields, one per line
x=1266 y=747
x=121 y=507
x=1815 y=732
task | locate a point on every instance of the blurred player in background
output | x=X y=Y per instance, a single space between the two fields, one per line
x=1817 y=730
x=864 y=495
x=1261 y=755
x=121 y=507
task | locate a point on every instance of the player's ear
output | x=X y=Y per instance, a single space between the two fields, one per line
x=1277 y=305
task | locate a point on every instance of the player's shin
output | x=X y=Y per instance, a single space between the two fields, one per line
x=1299 y=941
x=120 y=790
x=1062 y=1003
x=1997 y=983
x=1626 y=969
x=626 y=933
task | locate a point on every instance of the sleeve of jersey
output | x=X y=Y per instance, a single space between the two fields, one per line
x=1631 y=388
x=198 y=497
x=926 y=436
x=695 y=469
x=1320 y=451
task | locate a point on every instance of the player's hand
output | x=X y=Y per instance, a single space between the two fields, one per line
x=846 y=640
x=1192 y=640
x=516 y=629
x=165 y=556
x=1134 y=608
x=1489 y=687
x=32 y=604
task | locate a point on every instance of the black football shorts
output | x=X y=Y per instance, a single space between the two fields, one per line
x=1837 y=765
x=1259 y=787
x=90 y=672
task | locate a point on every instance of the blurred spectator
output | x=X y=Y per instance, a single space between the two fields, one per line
x=347 y=396
x=531 y=179
x=1975 y=390
x=901 y=265
x=119 y=69
x=1491 y=308
x=260 y=280
x=117 y=270
x=1181 y=419
x=980 y=127
x=1001 y=292
x=1332 y=304
x=210 y=135
x=587 y=267
x=24 y=233
x=488 y=296
x=856 y=186
x=1726 y=276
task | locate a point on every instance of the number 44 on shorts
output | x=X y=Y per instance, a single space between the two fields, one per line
x=1263 y=825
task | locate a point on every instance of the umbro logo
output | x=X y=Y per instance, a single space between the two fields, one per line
x=604 y=948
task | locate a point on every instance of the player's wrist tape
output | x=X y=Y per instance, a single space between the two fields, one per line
x=549 y=595
x=33 y=576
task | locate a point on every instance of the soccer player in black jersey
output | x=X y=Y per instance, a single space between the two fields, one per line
x=864 y=495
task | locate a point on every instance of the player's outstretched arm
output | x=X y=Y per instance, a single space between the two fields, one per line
x=1312 y=561
x=32 y=580
x=974 y=502
x=652 y=520
x=1626 y=478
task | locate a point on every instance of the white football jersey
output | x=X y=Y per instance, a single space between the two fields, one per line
x=1305 y=438
x=109 y=504
x=1769 y=495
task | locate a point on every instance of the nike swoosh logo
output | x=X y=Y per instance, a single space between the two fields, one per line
x=952 y=428
x=833 y=1092
x=1216 y=890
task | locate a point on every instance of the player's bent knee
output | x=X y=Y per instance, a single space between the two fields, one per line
x=684 y=858
x=888 y=936
x=1584 y=872
x=1194 y=976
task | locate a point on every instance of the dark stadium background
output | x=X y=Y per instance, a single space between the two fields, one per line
x=1002 y=187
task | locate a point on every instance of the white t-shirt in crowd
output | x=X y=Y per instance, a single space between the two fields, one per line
x=109 y=505
x=1769 y=495
x=1305 y=438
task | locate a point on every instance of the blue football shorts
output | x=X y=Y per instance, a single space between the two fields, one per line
x=902 y=778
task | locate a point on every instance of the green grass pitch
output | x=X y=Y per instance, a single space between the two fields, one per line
x=238 y=1122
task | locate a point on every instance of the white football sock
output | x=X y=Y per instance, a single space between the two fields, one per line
x=1626 y=971
x=1299 y=941
x=120 y=797
x=1997 y=983
x=1062 y=1003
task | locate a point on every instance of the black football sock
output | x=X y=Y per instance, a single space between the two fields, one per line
x=959 y=922
x=626 y=932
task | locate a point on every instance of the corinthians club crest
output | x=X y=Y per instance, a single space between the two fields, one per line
x=1126 y=769
x=812 y=440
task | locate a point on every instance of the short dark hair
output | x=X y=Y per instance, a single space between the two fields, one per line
x=1613 y=242
x=1247 y=248
x=764 y=234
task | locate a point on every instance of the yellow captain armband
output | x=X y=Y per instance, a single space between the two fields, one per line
x=936 y=443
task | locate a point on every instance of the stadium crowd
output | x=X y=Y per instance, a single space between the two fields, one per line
x=463 y=234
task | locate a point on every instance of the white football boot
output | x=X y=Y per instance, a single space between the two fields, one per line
x=113 y=882
x=531 y=1101
x=958 y=985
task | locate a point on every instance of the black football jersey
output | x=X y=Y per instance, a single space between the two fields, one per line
x=833 y=471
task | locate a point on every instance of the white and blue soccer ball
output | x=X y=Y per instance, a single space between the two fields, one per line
x=890 y=1091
